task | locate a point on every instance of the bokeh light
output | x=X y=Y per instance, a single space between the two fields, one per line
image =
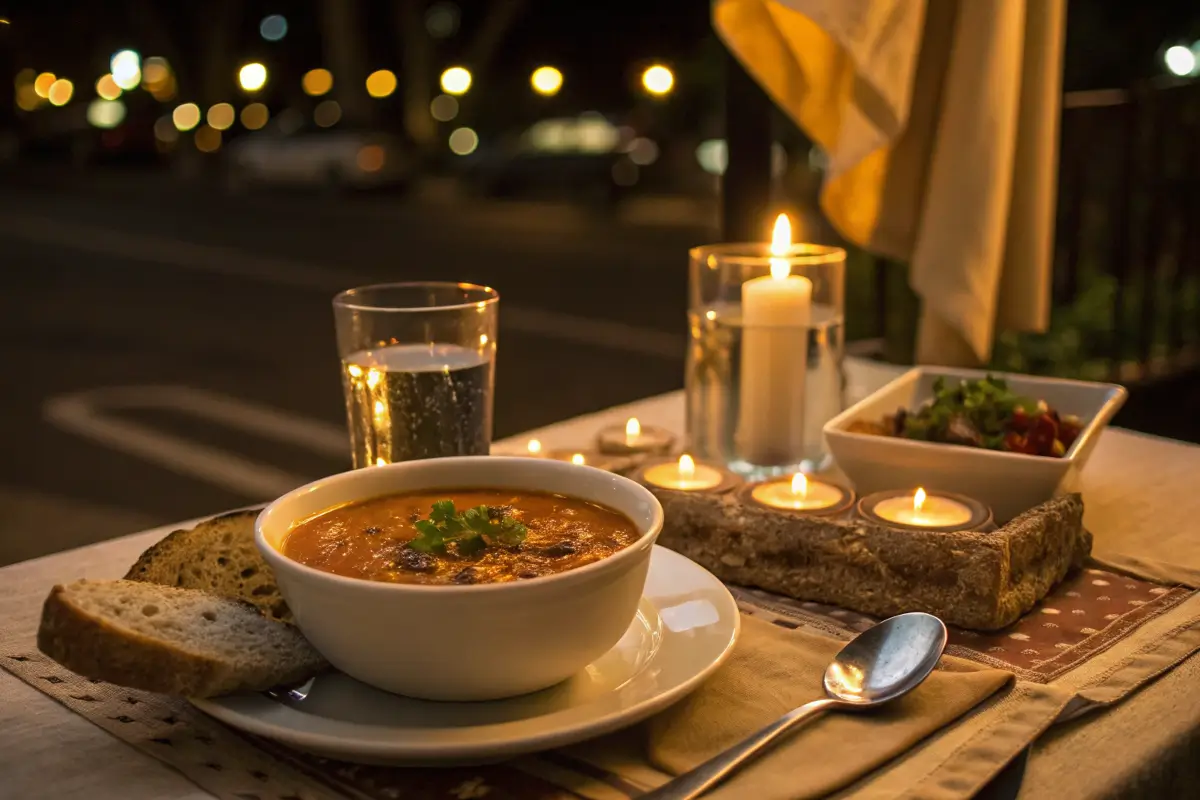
x=443 y=108
x=126 y=69
x=658 y=80
x=441 y=20
x=27 y=98
x=103 y=113
x=371 y=158
x=155 y=71
x=546 y=81
x=1180 y=60
x=456 y=80
x=255 y=116
x=24 y=76
x=317 y=82
x=381 y=83
x=207 y=139
x=165 y=130
x=107 y=88
x=186 y=116
x=273 y=27
x=327 y=113
x=463 y=141
x=60 y=92
x=42 y=84
x=252 y=76
x=220 y=116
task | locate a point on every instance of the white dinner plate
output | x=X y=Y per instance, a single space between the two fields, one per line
x=685 y=628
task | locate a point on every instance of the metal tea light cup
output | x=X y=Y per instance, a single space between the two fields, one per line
x=418 y=369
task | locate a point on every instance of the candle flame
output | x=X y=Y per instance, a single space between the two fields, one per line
x=633 y=428
x=919 y=499
x=781 y=243
x=381 y=462
x=800 y=485
x=534 y=446
x=578 y=459
x=687 y=467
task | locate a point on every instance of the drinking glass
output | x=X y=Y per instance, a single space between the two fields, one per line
x=418 y=369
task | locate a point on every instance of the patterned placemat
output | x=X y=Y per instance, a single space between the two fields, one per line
x=1087 y=614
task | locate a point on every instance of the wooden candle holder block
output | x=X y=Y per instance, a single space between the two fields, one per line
x=973 y=579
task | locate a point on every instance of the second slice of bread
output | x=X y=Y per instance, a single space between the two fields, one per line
x=173 y=641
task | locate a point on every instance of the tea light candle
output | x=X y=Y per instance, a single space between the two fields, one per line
x=534 y=449
x=776 y=311
x=633 y=438
x=801 y=493
x=684 y=475
x=929 y=511
x=590 y=458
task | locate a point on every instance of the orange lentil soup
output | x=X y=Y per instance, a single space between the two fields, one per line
x=378 y=539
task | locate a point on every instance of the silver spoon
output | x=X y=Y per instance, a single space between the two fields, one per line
x=878 y=665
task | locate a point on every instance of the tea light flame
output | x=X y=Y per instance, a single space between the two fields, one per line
x=781 y=242
x=534 y=446
x=633 y=428
x=578 y=459
x=687 y=467
x=919 y=500
x=800 y=485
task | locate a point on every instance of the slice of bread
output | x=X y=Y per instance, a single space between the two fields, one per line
x=172 y=641
x=217 y=555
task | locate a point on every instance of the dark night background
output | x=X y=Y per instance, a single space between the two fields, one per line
x=131 y=256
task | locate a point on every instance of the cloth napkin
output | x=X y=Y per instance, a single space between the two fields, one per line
x=940 y=122
x=772 y=671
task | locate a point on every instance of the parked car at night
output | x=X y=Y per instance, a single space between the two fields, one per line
x=340 y=157
x=588 y=156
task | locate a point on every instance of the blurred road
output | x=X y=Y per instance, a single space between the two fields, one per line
x=114 y=282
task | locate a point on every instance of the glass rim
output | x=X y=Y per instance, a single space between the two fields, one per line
x=759 y=253
x=346 y=298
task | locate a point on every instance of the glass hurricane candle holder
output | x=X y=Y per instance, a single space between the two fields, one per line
x=765 y=350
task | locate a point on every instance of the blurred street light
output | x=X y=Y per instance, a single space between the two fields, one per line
x=441 y=20
x=126 y=68
x=1180 y=60
x=107 y=88
x=255 y=116
x=273 y=27
x=207 y=140
x=443 y=108
x=381 y=83
x=42 y=84
x=456 y=80
x=103 y=113
x=60 y=92
x=658 y=80
x=165 y=130
x=186 y=116
x=327 y=113
x=220 y=116
x=317 y=82
x=463 y=141
x=252 y=76
x=546 y=81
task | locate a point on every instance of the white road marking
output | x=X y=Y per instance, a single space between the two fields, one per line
x=221 y=260
x=89 y=414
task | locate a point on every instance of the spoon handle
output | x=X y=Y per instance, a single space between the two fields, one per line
x=697 y=781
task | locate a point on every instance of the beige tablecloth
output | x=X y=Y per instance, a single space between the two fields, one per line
x=1141 y=501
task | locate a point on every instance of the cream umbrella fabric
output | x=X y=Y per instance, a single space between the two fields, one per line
x=940 y=121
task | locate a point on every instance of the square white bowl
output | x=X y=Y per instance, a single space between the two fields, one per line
x=1010 y=483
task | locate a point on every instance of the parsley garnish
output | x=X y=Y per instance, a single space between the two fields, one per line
x=471 y=531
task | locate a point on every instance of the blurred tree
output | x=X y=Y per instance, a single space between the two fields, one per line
x=342 y=40
x=197 y=39
x=416 y=47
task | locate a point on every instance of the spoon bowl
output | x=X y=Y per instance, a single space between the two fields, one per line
x=887 y=660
